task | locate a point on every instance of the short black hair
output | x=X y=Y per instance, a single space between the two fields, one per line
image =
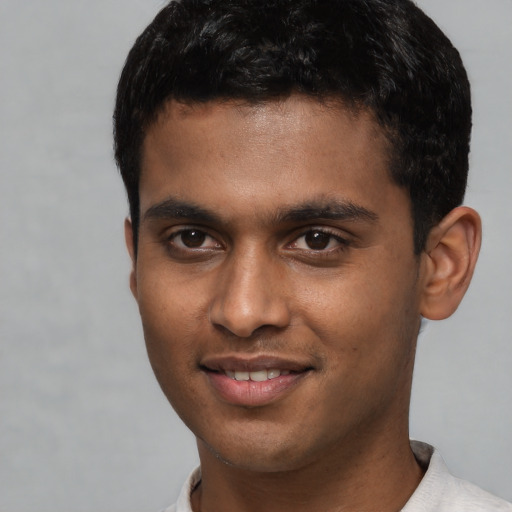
x=383 y=55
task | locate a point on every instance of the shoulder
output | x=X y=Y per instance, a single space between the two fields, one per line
x=172 y=508
x=468 y=497
x=440 y=491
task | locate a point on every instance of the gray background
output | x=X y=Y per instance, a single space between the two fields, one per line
x=83 y=425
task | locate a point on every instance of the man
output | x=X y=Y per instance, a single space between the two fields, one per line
x=295 y=171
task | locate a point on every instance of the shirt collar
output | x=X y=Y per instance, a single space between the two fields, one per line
x=430 y=490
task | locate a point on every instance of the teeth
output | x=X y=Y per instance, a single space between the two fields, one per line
x=272 y=374
x=258 y=376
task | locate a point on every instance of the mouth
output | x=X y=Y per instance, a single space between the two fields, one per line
x=255 y=381
x=256 y=376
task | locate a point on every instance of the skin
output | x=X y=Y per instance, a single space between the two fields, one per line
x=240 y=255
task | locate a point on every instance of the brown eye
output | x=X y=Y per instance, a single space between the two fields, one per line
x=192 y=238
x=317 y=240
x=189 y=240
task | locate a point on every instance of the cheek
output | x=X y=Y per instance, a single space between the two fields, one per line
x=167 y=302
x=368 y=349
x=366 y=315
x=173 y=333
x=165 y=332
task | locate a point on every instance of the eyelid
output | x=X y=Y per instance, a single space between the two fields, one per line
x=174 y=232
x=332 y=232
x=179 y=228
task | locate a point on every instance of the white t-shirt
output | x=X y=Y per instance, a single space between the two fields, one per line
x=438 y=491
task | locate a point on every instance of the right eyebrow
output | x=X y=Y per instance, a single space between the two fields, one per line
x=175 y=209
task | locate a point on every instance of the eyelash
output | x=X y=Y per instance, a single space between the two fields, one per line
x=176 y=250
x=190 y=229
x=332 y=235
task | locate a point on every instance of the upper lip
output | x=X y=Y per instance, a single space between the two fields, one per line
x=252 y=363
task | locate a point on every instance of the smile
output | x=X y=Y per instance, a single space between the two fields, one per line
x=253 y=381
x=257 y=376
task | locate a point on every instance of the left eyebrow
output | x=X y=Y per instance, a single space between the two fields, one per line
x=330 y=210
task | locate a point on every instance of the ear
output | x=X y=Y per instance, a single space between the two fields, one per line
x=449 y=261
x=128 y=236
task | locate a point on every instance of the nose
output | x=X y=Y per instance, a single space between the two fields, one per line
x=250 y=294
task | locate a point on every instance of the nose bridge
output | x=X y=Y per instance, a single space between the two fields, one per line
x=250 y=292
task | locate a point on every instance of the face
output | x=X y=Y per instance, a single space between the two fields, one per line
x=276 y=279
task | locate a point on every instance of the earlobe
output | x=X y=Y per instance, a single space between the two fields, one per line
x=449 y=261
x=128 y=236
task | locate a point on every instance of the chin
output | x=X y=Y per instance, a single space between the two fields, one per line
x=257 y=453
x=258 y=463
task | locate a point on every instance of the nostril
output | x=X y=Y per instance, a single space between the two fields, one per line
x=240 y=330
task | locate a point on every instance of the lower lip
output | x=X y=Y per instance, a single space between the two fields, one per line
x=250 y=393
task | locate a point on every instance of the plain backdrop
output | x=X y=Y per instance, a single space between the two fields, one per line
x=83 y=424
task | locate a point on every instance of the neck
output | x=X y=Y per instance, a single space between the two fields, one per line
x=381 y=476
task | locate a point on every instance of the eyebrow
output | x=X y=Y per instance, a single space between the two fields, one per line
x=175 y=209
x=328 y=209
x=341 y=210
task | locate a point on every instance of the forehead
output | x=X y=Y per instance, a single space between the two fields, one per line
x=273 y=153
